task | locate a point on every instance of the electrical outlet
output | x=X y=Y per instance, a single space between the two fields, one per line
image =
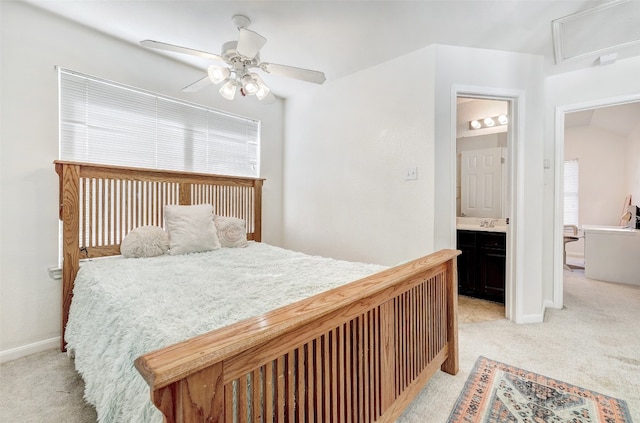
x=411 y=174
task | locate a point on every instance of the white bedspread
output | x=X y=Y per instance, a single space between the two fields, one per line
x=123 y=308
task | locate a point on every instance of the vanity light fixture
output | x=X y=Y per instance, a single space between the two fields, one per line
x=488 y=122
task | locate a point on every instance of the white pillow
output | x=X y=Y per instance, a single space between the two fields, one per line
x=232 y=232
x=191 y=229
x=145 y=241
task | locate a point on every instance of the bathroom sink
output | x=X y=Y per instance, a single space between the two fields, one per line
x=481 y=224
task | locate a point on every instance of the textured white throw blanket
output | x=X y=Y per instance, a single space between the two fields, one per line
x=123 y=308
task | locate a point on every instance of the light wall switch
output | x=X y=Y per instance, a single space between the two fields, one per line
x=411 y=174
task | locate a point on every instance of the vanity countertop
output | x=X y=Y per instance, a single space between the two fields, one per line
x=481 y=224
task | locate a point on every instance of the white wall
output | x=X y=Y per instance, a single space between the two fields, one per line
x=599 y=84
x=633 y=165
x=32 y=43
x=603 y=185
x=349 y=144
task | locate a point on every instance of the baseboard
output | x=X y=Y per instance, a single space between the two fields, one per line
x=25 y=350
x=550 y=304
x=532 y=318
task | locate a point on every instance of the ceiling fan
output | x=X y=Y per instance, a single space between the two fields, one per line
x=241 y=57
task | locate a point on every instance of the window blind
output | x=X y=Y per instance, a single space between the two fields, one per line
x=108 y=123
x=571 y=174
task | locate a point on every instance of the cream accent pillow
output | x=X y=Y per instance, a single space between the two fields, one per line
x=191 y=229
x=232 y=232
x=145 y=241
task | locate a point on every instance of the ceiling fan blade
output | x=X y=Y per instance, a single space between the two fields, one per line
x=249 y=43
x=178 y=49
x=198 y=85
x=308 y=75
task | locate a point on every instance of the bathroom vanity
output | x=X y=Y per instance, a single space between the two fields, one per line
x=482 y=264
x=612 y=254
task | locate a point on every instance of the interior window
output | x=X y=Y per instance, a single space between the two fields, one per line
x=571 y=192
x=109 y=123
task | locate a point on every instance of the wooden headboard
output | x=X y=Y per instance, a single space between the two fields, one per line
x=100 y=204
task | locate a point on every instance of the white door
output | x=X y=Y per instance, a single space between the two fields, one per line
x=481 y=176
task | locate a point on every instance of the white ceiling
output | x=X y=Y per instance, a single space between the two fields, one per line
x=620 y=119
x=336 y=37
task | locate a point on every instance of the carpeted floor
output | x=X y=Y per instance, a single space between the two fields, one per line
x=43 y=388
x=592 y=343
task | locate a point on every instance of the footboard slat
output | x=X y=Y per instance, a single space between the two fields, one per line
x=317 y=399
x=269 y=398
x=358 y=353
x=333 y=336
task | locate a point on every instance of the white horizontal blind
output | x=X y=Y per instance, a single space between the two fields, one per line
x=571 y=192
x=107 y=123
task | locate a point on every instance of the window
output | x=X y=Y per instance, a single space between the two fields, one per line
x=571 y=192
x=108 y=123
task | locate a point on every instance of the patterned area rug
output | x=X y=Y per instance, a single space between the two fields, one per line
x=497 y=392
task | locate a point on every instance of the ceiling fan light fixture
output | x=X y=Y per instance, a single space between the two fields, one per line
x=263 y=90
x=228 y=89
x=241 y=56
x=217 y=74
x=249 y=84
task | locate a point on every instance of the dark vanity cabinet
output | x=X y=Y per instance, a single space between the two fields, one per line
x=482 y=264
x=467 y=262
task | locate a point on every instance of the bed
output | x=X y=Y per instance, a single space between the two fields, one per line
x=358 y=351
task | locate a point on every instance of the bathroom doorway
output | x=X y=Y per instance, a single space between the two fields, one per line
x=482 y=142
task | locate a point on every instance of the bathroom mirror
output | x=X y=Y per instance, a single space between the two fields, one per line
x=481 y=145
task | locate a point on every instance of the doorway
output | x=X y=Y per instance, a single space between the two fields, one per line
x=561 y=114
x=482 y=134
x=515 y=165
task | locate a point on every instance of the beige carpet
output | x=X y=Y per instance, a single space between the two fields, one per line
x=593 y=343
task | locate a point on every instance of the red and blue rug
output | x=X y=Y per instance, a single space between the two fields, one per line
x=499 y=393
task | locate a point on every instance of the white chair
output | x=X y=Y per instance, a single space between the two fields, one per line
x=570 y=235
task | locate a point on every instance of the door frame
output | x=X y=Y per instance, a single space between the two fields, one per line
x=558 y=209
x=514 y=277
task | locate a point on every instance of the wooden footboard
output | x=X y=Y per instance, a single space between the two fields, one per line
x=358 y=353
